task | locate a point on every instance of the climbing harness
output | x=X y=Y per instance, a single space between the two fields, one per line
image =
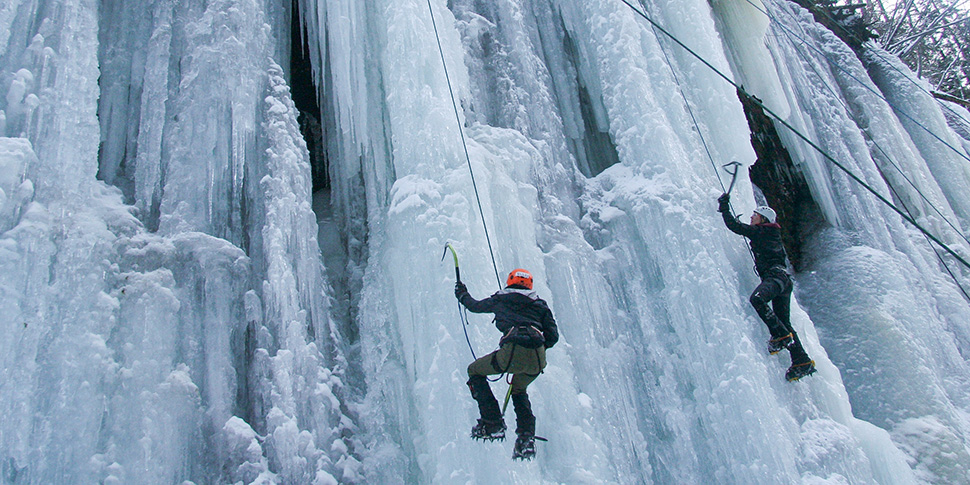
x=463 y=316
x=811 y=143
x=508 y=377
x=502 y=372
x=454 y=104
x=464 y=145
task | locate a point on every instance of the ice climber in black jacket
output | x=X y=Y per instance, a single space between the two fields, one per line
x=528 y=329
x=770 y=262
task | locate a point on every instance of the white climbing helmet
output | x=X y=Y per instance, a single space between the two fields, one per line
x=766 y=212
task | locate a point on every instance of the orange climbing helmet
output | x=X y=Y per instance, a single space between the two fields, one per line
x=519 y=277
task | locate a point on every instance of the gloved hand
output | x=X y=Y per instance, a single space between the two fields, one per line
x=460 y=290
x=724 y=203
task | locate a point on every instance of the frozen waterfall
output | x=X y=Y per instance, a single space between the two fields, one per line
x=221 y=224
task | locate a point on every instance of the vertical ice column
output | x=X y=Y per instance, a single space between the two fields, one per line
x=402 y=330
x=23 y=56
x=297 y=372
x=348 y=37
x=745 y=30
x=890 y=326
x=52 y=68
x=921 y=115
x=212 y=136
x=680 y=279
x=55 y=255
x=675 y=318
x=21 y=248
x=148 y=170
x=16 y=191
x=8 y=13
x=136 y=56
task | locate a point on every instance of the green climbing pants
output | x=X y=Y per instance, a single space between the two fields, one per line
x=524 y=365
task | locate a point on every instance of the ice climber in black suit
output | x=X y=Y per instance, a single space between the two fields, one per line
x=776 y=285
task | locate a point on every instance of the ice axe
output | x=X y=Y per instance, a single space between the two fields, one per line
x=461 y=313
x=454 y=254
x=507 y=396
x=731 y=168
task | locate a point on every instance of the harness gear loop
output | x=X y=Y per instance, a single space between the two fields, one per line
x=498 y=368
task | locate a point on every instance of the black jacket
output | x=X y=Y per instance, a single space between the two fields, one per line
x=769 y=252
x=513 y=307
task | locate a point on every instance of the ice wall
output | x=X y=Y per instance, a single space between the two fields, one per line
x=167 y=315
x=173 y=323
x=647 y=287
x=888 y=312
x=743 y=26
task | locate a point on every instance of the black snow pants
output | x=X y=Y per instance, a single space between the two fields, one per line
x=776 y=289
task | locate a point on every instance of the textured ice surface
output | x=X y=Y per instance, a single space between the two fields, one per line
x=173 y=310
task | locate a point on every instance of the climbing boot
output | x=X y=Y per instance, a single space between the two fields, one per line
x=491 y=426
x=525 y=447
x=797 y=371
x=778 y=344
x=489 y=430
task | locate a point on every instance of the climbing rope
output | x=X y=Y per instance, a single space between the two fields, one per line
x=935 y=251
x=789 y=34
x=866 y=86
x=885 y=154
x=462 y=312
x=464 y=145
x=463 y=315
x=690 y=111
x=811 y=143
x=883 y=58
x=700 y=134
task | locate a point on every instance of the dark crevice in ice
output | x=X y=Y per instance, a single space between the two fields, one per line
x=304 y=92
x=783 y=185
x=341 y=236
x=118 y=104
x=595 y=152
